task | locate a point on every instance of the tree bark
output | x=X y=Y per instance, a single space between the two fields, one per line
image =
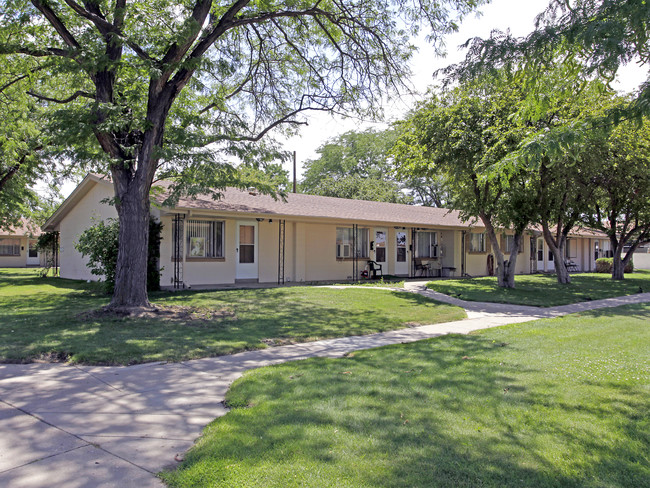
x=133 y=210
x=618 y=265
x=557 y=246
x=505 y=269
x=506 y=274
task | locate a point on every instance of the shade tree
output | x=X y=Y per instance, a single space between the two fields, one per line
x=619 y=205
x=144 y=86
x=355 y=165
x=461 y=135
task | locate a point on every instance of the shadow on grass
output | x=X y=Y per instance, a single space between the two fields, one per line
x=50 y=324
x=543 y=290
x=421 y=415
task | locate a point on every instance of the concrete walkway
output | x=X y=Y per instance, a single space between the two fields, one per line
x=82 y=426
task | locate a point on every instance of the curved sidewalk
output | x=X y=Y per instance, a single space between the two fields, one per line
x=83 y=426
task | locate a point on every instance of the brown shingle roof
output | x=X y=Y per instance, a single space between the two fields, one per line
x=24 y=228
x=298 y=205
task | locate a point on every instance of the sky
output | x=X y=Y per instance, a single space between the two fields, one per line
x=516 y=15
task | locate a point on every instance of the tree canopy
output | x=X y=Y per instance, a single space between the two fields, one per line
x=21 y=145
x=355 y=165
x=462 y=135
x=148 y=87
x=594 y=37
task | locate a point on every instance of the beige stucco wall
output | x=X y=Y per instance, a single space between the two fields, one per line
x=320 y=241
x=19 y=261
x=641 y=260
x=268 y=251
x=80 y=217
x=477 y=262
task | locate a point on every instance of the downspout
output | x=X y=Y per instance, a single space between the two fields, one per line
x=463 y=256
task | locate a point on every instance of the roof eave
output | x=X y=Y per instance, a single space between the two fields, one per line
x=77 y=194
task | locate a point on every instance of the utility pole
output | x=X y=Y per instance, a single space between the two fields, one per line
x=294 y=172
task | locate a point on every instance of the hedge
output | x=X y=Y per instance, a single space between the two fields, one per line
x=605 y=265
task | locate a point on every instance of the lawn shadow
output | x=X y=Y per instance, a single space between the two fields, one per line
x=444 y=412
x=54 y=325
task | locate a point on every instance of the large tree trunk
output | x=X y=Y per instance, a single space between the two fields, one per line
x=131 y=272
x=505 y=269
x=618 y=266
x=506 y=273
x=561 y=270
x=557 y=247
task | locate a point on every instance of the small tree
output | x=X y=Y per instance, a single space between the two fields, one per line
x=620 y=204
x=462 y=135
x=100 y=244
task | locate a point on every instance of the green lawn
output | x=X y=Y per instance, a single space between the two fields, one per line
x=543 y=290
x=43 y=318
x=551 y=403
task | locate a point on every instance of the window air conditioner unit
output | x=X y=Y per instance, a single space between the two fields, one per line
x=344 y=251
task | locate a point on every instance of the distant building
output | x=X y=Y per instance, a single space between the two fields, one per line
x=18 y=246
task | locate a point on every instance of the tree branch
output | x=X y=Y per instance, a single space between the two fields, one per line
x=57 y=23
x=39 y=53
x=105 y=28
x=200 y=12
x=74 y=96
x=11 y=172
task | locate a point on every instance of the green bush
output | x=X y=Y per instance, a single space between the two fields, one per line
x=100 y=244
x=605 y=265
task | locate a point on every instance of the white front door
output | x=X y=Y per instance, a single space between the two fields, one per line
x=550 y=265
x=540 y=254
x=401 y=261
x=33 y=258
x=247 y=252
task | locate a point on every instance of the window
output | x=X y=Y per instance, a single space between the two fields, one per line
x=345 y=243
x=509 y=242
x=9 y=247
x=246 y=244
x=427 y=244
x=571 y=249
x=401 y=247
x=204 y=239
x=477 y=242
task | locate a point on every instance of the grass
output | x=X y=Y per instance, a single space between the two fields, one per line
x=388 y=281
x=542 y=290
x=551 y=403
x=43 y=318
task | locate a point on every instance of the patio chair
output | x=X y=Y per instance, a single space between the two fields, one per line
x=422 y=267
x=571 y=266
x=374 y=268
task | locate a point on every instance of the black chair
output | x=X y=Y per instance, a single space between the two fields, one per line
x=374 y=268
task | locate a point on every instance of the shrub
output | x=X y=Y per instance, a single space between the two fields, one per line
x=100 y=244
x=605 y=265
